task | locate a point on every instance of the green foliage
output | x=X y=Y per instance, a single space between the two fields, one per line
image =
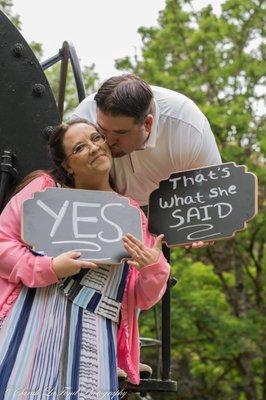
x=219 y=304
x=218 y=61
x=90 y=78
x=6 y=7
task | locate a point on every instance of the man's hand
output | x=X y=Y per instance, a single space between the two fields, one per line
x=141 y=254
x=198 y=245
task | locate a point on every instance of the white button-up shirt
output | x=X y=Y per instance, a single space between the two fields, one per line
x=181 y=139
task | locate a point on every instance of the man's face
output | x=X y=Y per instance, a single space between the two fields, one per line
x=122 y=133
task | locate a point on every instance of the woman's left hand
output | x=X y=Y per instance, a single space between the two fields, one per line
x=141 y=254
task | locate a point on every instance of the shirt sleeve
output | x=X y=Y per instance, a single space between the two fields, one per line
x=151 y=280
x=193 y=143
x=207 y=152
x=17 y=262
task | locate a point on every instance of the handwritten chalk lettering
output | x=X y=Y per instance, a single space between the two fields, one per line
x=201 y=213
x=219 y=192
x=58 y=218
x=176 y=201
x=119 y=230
x=95 y=246
x=200 y=177
x=197 y=234
x=203 y=203
x=89 y=221
x=76 y=220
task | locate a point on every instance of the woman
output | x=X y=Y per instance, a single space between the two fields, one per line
x=53 y=343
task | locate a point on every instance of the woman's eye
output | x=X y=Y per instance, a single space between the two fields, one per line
x=79 y=148
x=96 y=138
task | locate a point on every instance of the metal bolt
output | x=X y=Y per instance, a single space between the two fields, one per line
x=173 y=281
x=38 y=90
x=47 y=132
x=18 y=50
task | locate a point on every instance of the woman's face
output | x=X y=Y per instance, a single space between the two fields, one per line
x=87 y=154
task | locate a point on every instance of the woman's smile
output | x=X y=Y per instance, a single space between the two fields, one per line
x=97 y=157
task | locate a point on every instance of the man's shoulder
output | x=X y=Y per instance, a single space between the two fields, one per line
x=178 y=106
x=161 y=93
x=86 y=109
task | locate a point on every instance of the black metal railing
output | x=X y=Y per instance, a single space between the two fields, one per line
x=66 y=53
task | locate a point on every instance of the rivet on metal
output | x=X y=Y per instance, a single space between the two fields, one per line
x=38 y=90
x=18 y=50
x=47 y=132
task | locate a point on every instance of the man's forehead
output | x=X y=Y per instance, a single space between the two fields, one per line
x=114 y=122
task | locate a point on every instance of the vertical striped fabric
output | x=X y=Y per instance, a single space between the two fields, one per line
x=59 y=342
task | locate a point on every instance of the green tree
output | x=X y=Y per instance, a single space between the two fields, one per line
x=90 y=78
x=6 y=7
x=219 y=306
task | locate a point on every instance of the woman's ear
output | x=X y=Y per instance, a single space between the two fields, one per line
x=67 y=168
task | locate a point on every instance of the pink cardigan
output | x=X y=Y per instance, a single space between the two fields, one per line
x=18 y=266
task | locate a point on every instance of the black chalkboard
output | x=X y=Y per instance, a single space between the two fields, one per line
x=203 y=204
x=90 y=221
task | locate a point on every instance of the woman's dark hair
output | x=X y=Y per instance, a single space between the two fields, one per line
x=57 y=155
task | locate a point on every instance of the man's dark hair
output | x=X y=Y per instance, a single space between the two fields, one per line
x=125 y=95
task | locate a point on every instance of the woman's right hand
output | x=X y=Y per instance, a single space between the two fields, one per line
x=68 y=264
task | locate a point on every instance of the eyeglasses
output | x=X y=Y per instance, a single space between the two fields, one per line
x=96 y=138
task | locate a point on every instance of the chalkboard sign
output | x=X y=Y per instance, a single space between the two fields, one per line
x=89 y=221
x=203 y=204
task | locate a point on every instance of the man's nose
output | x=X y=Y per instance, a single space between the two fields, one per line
x=111 y=139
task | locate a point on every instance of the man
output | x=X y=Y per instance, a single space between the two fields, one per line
x=152 y=132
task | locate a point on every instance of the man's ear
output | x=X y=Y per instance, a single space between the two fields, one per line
x=148 y=122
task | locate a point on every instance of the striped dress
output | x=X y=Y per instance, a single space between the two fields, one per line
x=59 y=342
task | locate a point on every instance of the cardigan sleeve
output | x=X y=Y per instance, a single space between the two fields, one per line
x=17 y=262
x=150 y=283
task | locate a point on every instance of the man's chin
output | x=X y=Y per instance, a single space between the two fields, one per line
x=117 y=153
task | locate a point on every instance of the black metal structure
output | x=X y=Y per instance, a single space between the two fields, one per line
x=65 y=53
x=28 y=110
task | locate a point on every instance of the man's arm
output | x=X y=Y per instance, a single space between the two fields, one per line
x=208 y=153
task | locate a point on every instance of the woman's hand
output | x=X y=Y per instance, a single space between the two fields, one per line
x=68 y=264
x=141 y=254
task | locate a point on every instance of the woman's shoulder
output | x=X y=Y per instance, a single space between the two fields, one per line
x=34 y=183
x=133 y=202
x=39 y=182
